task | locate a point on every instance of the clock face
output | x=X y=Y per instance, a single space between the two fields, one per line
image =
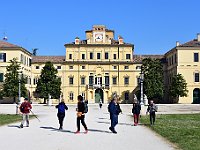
x=98 y=37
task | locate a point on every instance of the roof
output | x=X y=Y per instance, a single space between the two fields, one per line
x=193 y=43
x=4 y=44
x=43 y=59
x=139 y=58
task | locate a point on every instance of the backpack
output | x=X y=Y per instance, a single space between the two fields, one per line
x=61 y=108
x=85 y=107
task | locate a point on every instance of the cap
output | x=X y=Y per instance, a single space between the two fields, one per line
x=26 y=99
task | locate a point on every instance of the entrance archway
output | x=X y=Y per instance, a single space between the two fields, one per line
x=99 y=95
x=196 y=96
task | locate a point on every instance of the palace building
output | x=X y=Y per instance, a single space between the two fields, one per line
x=101 y=66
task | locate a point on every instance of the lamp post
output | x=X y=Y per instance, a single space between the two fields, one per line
x=141 y=88
x=19 y=92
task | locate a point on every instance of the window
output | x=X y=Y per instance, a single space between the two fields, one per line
x=83 y=67
x=37 y=67
x=107 y=82
x=71 y=96
x=2 y=57
x=83 y=56
x=114 y=56
x=128 y=56
x=35 y=81
x=196 y=57
x=106 y=55
x=70 y=67
x=91 y=80
x=126 y=80
x=30 y=61
x=196 y=77
x=91 y=55
x=71 y=80
x=138 y=67
x=126 y=67
x=58 y=67
x=98 y=55
x=175 y=58
x=114 y=79
x=114 y=67
x=22 y=58
x=126 y=95
x=70 y=56
x=83 y=95
x=1 y=77
x=82 y=80
x=172 y=60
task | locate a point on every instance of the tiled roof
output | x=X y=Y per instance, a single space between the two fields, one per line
x=4 y=44
x=193 y=43
x=139 y=58
x=43 y=59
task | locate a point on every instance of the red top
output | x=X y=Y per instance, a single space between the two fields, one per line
x=25 y=107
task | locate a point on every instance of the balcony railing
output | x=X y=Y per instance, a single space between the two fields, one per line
x=98 y=86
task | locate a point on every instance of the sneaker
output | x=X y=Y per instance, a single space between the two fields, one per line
x=27 y=126
x=77 y=132
x=110 y=129
x=21 y=126
x=86 y=131
x=60 y=128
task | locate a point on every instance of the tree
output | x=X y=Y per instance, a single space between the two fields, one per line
x=48 y=83
x=11 y=84
x=153 y=78
x=178 y=87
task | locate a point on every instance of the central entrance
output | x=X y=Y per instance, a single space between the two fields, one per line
x=98 y=95
x=196 y=96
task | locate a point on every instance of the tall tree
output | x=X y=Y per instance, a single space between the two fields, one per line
x=48 y=83
x=12 y=78
x=178 y=88
x=153 y=78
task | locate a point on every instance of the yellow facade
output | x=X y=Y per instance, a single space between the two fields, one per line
x=102 y=66
x=181 y=59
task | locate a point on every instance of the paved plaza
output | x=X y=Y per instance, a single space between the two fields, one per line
x=45 y=136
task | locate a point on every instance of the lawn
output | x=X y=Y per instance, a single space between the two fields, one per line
x=6 y=119
x=182 y=130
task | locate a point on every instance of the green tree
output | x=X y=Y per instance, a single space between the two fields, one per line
x=178 y=88
x=153 y=78
x=48 y=83
x=11 y=84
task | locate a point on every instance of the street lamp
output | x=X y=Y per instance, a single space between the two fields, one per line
x=19 y=92
x=141 y=88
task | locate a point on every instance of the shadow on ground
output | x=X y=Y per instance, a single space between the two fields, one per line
x=55 y=129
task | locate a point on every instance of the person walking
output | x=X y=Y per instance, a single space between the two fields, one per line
x=81 y=110
x=100 y=104
x=152 y=109
x=136 y=112
x=61 y=113
x=25 y=108
x=114 y=110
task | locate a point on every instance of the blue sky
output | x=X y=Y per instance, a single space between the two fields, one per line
x=153 y=26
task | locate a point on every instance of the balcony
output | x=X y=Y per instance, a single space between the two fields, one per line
x=98 y=86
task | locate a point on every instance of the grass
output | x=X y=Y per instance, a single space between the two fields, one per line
x=182 y=130
x=6 y=119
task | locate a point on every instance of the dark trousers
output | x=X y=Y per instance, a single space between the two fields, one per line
x=152 y=117
x=82 y=119
x=114 y=121
x=61 y=117
x=136 y=118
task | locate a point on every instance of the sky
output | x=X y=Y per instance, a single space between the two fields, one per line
x=153 y=26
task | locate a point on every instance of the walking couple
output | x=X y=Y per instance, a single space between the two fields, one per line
x=81 y=109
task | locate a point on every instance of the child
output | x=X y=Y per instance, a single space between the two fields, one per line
x=136 y=112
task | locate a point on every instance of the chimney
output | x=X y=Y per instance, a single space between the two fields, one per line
x=198 y=37
x=120 y=39
x=177 y=43
x=77 y=40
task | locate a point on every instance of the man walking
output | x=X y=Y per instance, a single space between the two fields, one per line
x=114 y=110
x=61 y=113
x=81 y=110
x=136 y=112
x=25 y=108
x=152 y=109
